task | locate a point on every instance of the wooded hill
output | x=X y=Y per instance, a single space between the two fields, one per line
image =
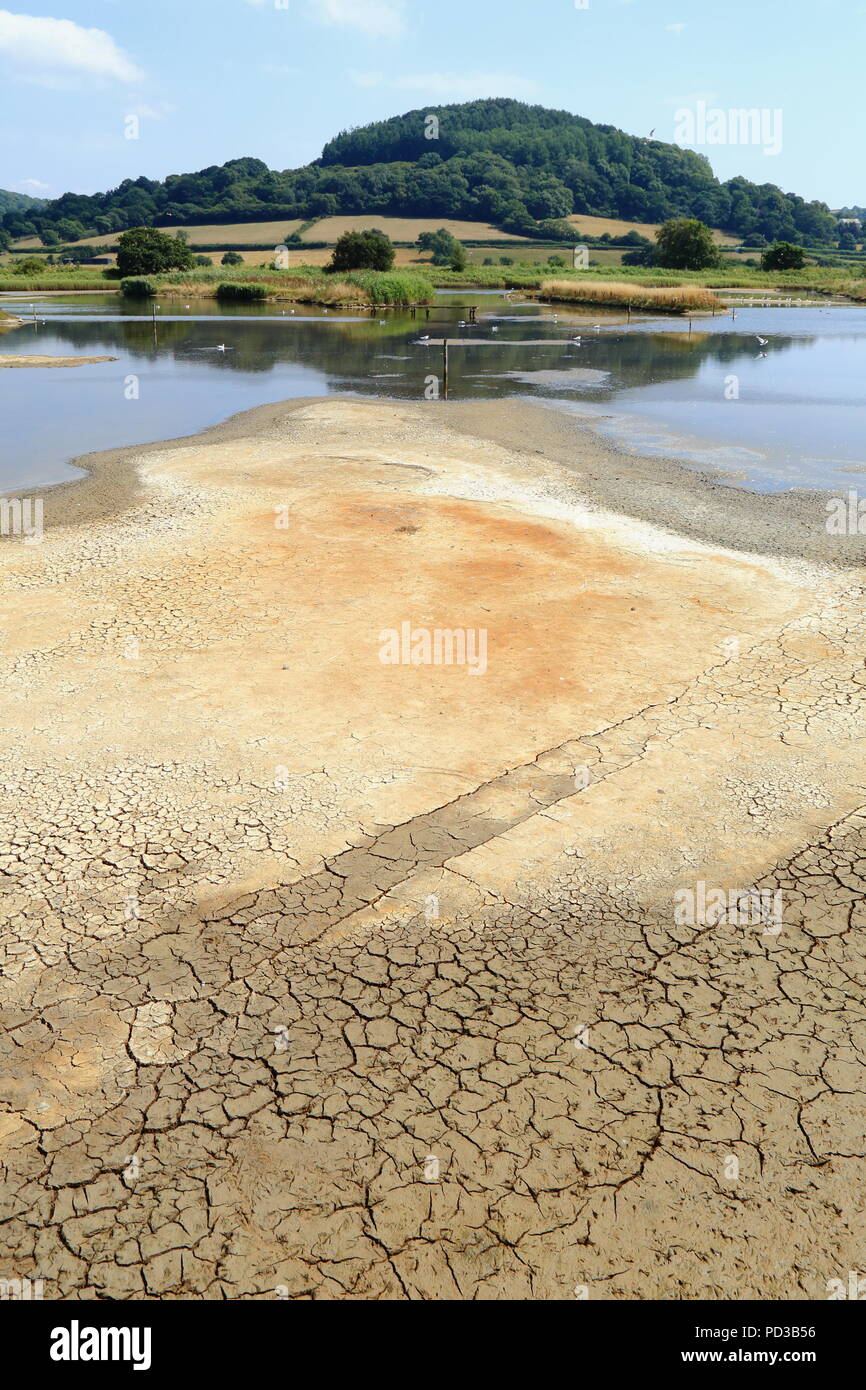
x=523 y=168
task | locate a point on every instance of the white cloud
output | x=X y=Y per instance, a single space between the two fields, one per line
x=38 y=45
x=33 y=185
x=377 y=18
x=451 y=85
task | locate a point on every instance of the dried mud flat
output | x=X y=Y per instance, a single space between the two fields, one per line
x=324 y=978
x=9 y=359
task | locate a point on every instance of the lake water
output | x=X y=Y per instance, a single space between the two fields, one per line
x=781 y=414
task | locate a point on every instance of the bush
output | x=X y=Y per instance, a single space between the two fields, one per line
x=506 y=260
x=368 y=250
x=137 y=287
x=445 y=249
x=203 y=260
x=232 y=258
x=488 y=260
x=238 y=291
x=643 y=255
x=783 y=256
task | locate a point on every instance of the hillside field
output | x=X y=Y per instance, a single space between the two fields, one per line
x=330 y=229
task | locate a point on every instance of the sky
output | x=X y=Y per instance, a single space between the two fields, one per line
x=211 y=80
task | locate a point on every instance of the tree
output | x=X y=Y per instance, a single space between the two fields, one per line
x=145 y=251
x=203 y=260
x=232 y=258
x=70 y=230
x=368 y=250
x=31 y=265
x=459 y=259
x=783 y=256
x=685 y=244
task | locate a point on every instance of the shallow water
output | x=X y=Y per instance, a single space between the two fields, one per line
x=785 y=413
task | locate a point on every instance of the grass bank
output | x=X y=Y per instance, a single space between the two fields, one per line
x=669 y=299
x=304 y=285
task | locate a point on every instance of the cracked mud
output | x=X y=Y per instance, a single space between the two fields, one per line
x=323 y=978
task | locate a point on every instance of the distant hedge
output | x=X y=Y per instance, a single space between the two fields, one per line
x=137 y=287
x=236 y=291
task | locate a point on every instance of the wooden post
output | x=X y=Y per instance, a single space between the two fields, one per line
x=445 y=362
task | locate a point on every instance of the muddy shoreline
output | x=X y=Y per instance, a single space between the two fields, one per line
x=664 y=492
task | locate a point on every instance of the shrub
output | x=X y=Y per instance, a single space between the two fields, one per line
x=783 y=256
x=137 y=287
x=445 y=249
x=237 y=291
x=643 y=255
x=232 y=258
x=203 y=260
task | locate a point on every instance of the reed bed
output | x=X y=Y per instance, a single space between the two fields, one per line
x=304 y=285
x=668 y=299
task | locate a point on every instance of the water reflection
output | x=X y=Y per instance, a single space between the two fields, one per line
x=775 y=394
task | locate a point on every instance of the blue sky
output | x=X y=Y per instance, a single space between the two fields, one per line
x=210 y=80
